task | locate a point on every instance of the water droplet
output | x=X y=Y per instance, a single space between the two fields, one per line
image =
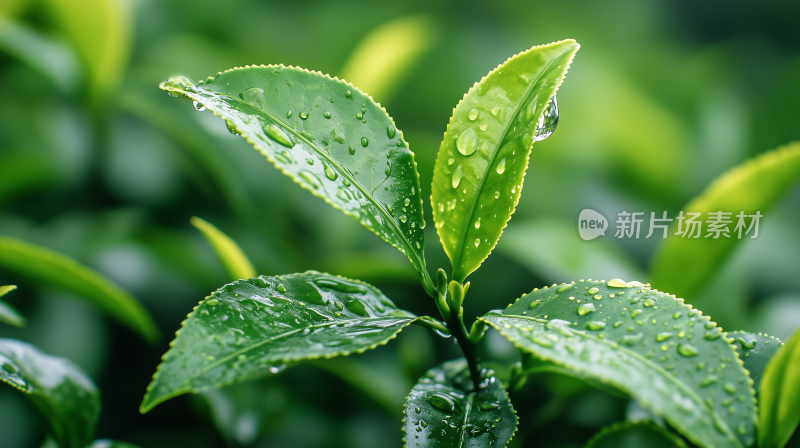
x=277 y=369
x=352 y=150
x=534 y=303
x=329 y=172
x=563 y=288
x=403 y=218
x=303 y=115
x=649 y=302
x=548 y=121
x=687 y=350
x=212 y=302
x=496 y=194
x=310 y=179
x=473 y=114
x=254 y=96
x=488 y=406
x=660 y=337
x=442 y=402
x=495 y=111
x=593 y=291
x=406 y=202
x=712 y=335
x=708 y=380
x=289 y=114
x=231 y=128
x=417 y=409
x=467 y=141
x=595 y=326
x=586 y=308
x=310 y=161
x=364 y=142
x=391 y=131
x=501 y=167
x=631 y=340
x=359 y=116
x=677 y=315
x=349 y=94
x=477 y=242
x=730 y=388
x=478 y=223
x=198 y=106
x=277 y=134
x=326 y=114
x=457 y=176
x=358 y=307
x=617 y=283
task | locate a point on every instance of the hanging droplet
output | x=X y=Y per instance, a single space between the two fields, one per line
x=364 y=142
x=473 y=114
x=548 y=121
x=231 y=128
x=198 y=106
x=467 y=141
x=391 y=131
x=501 y=167
x=329 y=172
x=277 y=134
x=254 y=96
x=457 y=176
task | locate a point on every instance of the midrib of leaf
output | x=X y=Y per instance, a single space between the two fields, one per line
x=639 y=357
x=467 y=409
x=463 y=237
x=275 y=338
x=409 y=248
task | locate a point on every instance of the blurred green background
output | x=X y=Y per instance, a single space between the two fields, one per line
x=98 y=163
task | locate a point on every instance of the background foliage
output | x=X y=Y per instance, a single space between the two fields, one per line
x=99 y=164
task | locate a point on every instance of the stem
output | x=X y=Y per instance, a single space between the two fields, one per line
x=459 y=332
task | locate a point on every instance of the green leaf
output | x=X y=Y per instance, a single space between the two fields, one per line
x=330 y=138
x=779 y=412
x=62 y=271
x=254 y=326
x=684 y=265
x=388 y=53
x=756 y=350
x=65 y=395
x=8 y=314
x=477 y=179
x=443 y=410
x=229 y=253
x=635 y=435
x=645 y=343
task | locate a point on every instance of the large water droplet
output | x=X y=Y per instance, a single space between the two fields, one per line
x=687 y=350
x=548 y=121
x=391 y=131
x=277 y=134
x=467 y=141
x=442 y=402
x=501 y=167
x=352 y=150
x=326 y=114
x=477 y=242
x=457 y=176
x=198 y=106
x=357 y=306
x=329 y=172
x=473 y=114
x=254 y=96
x=231 y=128
x=349 y=94
x=586 y=308
x=303 y=115
x=364 y=142
x=617 y=283
x=478 y=223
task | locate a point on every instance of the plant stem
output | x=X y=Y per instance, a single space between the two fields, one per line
x=457 y=329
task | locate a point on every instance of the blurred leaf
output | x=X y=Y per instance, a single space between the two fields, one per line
x=635 y=435
x=779 y=412
x=443 y=410
x=111 y=444
x=65 y=395
x=100 y=32
x=756 y=350
x=52 y=58
x=552 y=250
x=386 y=390
x=253 y=326
x=229 y=253
x=478 y=173
x=684 y=265
x=25 y=170
x=8 y=314
x=645 y=343
x=306 y=124
x=11 y=8
x=387 y=55
x=62 y=271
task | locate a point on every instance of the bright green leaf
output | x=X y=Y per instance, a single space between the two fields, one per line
x=779 y=408
x=684 y=265
x=330 y=138
x=62 y=271
x=229 y=253
x=8 y=314
x=65 y=395
x=648 y=344
x=756 y=350
x=100 y=32
x=387 y=54
x=635 y=435
x=477 y=179
x=254 y=326
x=443 y=410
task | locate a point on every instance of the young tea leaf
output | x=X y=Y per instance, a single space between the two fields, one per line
x=229 y=253
x=756 y=350
x=253 y=326
x=635 y=435
x=443 y=410
x=330 y=138
x=648 y=344
x=62 y=271
x=683 y=264
x=65 y=395
x=477 y=179
x=779 y=408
